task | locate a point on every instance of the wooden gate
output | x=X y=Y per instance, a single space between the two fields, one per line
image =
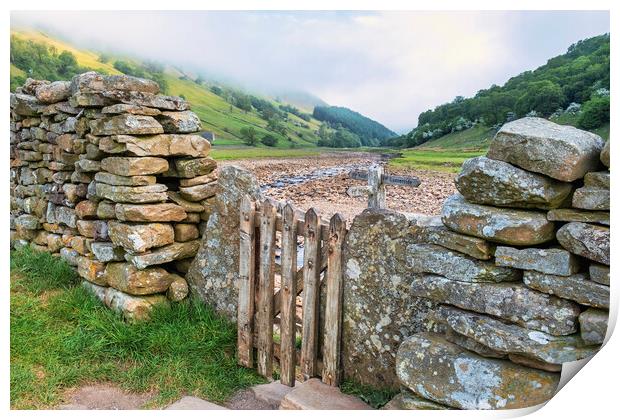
x=262 y=303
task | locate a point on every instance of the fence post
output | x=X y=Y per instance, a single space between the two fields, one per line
x=245 y=312
x=265 y=289
x=288 y=296
x=333 y=302
x=376 y=194
x=311 y=276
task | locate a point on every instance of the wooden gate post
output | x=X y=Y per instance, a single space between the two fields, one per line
x=288 y=295
x=247 y=262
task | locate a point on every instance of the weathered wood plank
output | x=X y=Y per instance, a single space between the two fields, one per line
x=264 y=313
x=288 y=294
x=245 y=311
x=311 y=285
x=333 y=302
x=300 y=226
x=376 y=194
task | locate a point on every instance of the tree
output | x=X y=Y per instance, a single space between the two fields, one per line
x=594 y=113
x=249 y=136
x=104 y=58
x=269 y=140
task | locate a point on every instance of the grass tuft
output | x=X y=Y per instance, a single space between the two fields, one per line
x=41 y=271
x=374 y=397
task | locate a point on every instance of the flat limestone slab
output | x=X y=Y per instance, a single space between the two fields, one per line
x=193 y=403
x=272 y=393
x=315 y=395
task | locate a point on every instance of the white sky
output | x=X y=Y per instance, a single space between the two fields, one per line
x=388 y=65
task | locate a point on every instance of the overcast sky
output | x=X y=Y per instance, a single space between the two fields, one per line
x=388 y=65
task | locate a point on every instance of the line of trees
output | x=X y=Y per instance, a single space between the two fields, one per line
x=367 y=131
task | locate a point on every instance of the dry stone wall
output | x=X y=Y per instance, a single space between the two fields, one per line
x=112 y=176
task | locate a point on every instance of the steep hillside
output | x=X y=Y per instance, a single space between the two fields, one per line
x=370 y=132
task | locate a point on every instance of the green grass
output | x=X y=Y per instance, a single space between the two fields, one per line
x=228 y=153
x=374 y=397
x=62 y=337
x=475 y=138
x=435 y=160
x=571 y=119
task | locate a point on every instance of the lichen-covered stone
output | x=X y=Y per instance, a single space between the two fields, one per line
x=139 y=237
x=597 y=179
x=91 y=270
x=66 y=216
x=188 y=206
x=586 y=240
x=184 y=232
x=143 y=194
x=577 y=287
x=549 y=261
x=130 y=109
x=199 y=192
x=561 y=152
x=510 y=301
x=591 y=198
x=593 y=325
x=105 y=210
x=70 y=255
x=130 y=166
x=191 y=168
x=434 y=259
x=604 y=156
x=165 y=145
x=599 y=273
x=407 y=400
x=125 y=124
x=94 y=82
x=164 y=254
x=493 y=182
x=510 y=338
x=179 y=122
x=133 y=308
x=26 y=105
x=27 y=221
x=574 y=215
x=203 y=179
x=127 y=278
x=95 y=229
x=107 y=251
x=53 y=92
x=375 y=270
x=213 y=276
x=512 y=227
x=128 y=181
x=163 y=212
x=86 y=209
x=445 y=373
x=178 y=289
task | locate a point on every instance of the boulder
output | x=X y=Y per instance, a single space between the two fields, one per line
x=510 y=301
x=128 y=166
x=133 y=308
x=574 y=215
x=604 y=156
x=599 y=273
x=549 y=261
x=512 y=227
x=445 y=373
x=144 y=194
x=199 y=192
x=53 y=92
x=434 y=259
x=577 y=287
x=125 y=124
x=179 y=122
x=586 y=240
x=138 y=237
x=165 y=145
x=163 y=212
x=107 y=251
x=510 y=338
x=164 y=254
x=593 y=325
x=375 y=270
x=128 y=181
x=178 y=289
x=213 y=275
x=591 y=198
x=487 y=181
x=561 y=152
x=129 y=279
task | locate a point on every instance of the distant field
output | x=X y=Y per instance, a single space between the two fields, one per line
x=436 y=160
x=475 y=138
x=230 y=153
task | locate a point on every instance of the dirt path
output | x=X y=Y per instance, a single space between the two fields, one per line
x=328 y=193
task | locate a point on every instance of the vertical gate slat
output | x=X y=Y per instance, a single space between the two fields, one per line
x=245 y=312
x=311 y=276
x=288 y=295
x=265 y=289
x=333 y=302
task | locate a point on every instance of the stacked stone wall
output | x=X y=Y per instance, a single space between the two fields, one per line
x=112 y=176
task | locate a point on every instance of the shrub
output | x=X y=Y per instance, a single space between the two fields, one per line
x=269 y=140
x=594 y=113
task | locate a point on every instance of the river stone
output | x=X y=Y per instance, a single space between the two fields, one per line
x=95 y=82
x=53 y=92
x=407 y=400
x=445 y=373
x=144 y=194
x=164 y=212
x=164 y=254
x=591 y=198
x=125 y=124
x=129 y=181
x=179 y=122
x=512 y=227
x=510 y=338
x=138 y=237
x=191 y=168
x=597 y=179
x=128 y=166
x=434 y=259
x=605 y=154
x=184 y=232
x=375 y=270
x=133 y=308
x=562 y=152
x=107 y=251
x=593 y=325
x=487 y=181
x=213 y=276
x=549 y=261
x=91 y=270
x=129 y=279
x=510 y=301
x=130 y=109
x=165 y=145
x=589 y=241
x=577 y=287
x=430 y=229
x=574 y=215
x=199 y=192
x=599 y=273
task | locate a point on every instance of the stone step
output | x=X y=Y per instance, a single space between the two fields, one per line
x=272 y=393
x=315 y=395
x=194 y=403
